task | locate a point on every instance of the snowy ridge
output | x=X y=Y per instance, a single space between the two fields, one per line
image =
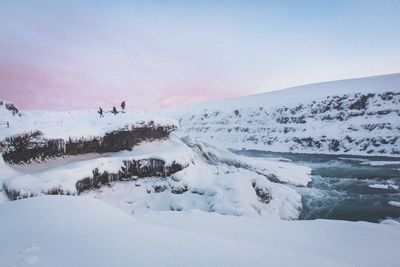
x=358 y=116
x=298 y=94
x=79 y=123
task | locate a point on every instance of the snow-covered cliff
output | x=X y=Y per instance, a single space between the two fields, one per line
x=357 y=116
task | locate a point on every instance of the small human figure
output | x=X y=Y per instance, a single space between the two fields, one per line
x=123 y=105
x=8 y=124
x=114 y=110
x=101 y=112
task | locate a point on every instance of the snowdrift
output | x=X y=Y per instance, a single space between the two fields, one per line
x=169 y=175
x=138 y=165
x=78 y=231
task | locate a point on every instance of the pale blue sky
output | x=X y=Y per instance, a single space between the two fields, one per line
x=68 y=54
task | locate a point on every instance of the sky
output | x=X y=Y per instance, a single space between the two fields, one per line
x=159 y=54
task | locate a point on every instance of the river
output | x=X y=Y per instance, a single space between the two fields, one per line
x=354 y=188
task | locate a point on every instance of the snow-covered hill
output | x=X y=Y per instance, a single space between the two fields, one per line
x=79 y=231
x=357 y=116
x=139 y=171
x=137 y=163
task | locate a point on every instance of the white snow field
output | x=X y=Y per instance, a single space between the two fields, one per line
x=212 y=180
x=79 y=231
x=75 y=124
x=223 y=184
x=356 y=116
x=64 y=173
x=221 y=209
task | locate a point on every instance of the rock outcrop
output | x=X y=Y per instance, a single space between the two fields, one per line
x=34 y=146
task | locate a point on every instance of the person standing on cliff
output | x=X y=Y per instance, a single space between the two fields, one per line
x=123 y=105
x=114 y=110
x=100 y=112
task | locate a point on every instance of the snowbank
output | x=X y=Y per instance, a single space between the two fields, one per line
x=197 y=176
x=394 y=203
x=214 y=183
x=77 y=231
x=79 y=123
x=383 y=186
x=63 y=179
x=284 y=172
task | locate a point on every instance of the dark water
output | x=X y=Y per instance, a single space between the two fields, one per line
x=340 y=187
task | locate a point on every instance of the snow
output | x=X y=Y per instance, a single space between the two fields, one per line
x=221 y=209
x=390 y=222
x=384 y=186
x=213 y=180
x=316 y=118
x=78 y=231
x=394 y=203
x=381 y=163
x=5 y=172
x=282 y=171
x=299 y=94
x=220 y=186
x=65 y=176
x=285 y=172
x=79 y=123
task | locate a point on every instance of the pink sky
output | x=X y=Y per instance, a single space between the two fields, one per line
x=67 y=55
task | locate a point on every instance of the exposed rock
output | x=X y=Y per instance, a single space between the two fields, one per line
x=33 y=146
x=131 y=170
x=349 y=122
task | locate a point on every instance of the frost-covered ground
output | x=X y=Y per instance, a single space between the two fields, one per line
x=78 y=231
x=213 y=180
x=74 y=124
x=358 y=117
x=221 y=208
x=64 y=173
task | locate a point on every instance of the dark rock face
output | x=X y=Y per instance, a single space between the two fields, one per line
x=33 y=146
x=361 y=103
x=13 y=194
x=263 y=194
x=334 y=145
x=131 y=170
x=25 y=147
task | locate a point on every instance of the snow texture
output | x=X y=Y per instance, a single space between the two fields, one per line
x=75 y=124
x=64 y=176
x=394 y=203
x=213 y=180
x=78 y=231
x=383 y=186
x=358 y=116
